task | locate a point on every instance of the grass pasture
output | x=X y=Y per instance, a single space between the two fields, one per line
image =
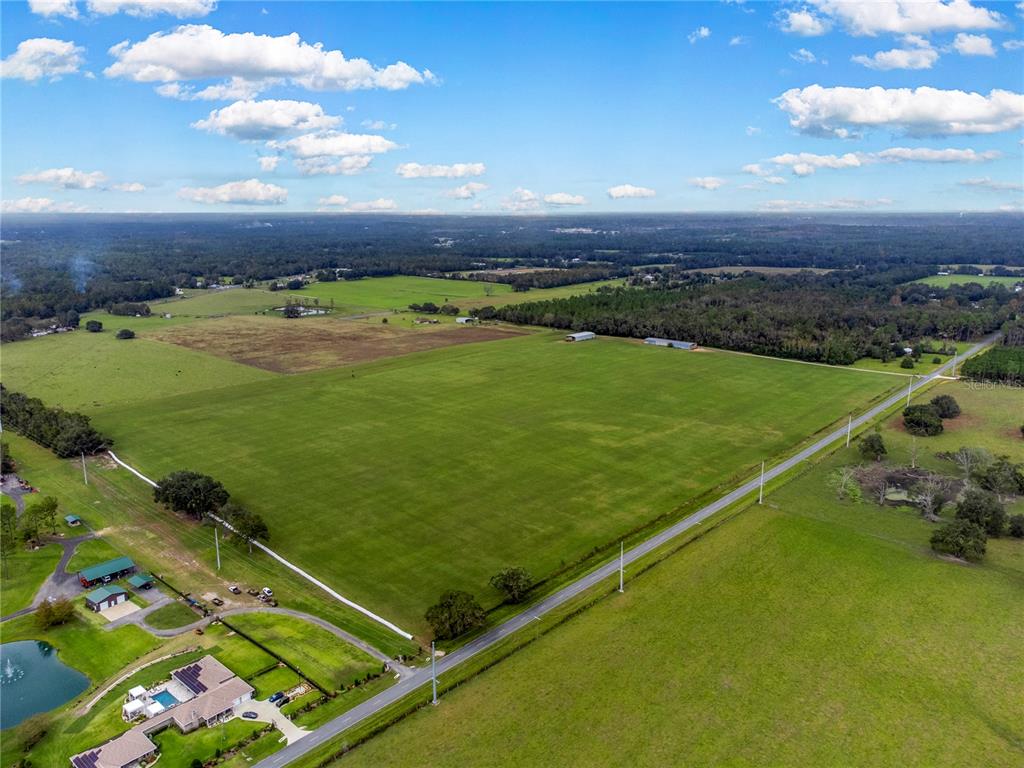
x=944 y=281
x=85 y=371
x=804 y=632
x=433 y=470
x=397 y=292
x=26 y=572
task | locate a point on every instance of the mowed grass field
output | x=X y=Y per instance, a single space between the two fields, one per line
x=398 y=479
x=85 y=371
x=944 y=281
x=807 y=632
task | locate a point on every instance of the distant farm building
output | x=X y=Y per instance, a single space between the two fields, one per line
x=106 y=572
x=73 y=520
x=202 y=693
x=581 y=336
x=656 y=342
x=465 y=320
x=105 y=597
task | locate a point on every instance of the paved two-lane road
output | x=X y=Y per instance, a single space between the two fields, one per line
x=605 y=573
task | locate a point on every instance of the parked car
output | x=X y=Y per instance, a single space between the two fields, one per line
x=217 y=601
x=282 y=701
x=267 y=592
x=234 y=590
x=275 y=696
x=249 y=715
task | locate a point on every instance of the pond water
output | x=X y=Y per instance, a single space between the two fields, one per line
x=33 y=680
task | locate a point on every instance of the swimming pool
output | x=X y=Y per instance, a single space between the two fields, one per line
x=166 y=698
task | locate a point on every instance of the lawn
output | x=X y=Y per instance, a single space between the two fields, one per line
x=921 y=367
x=277 y=679
x=523 y=451
x=804 y=632
x=172 y=615
x=398 y=292
x=92 y=552
x=944 y=281
x=85 y=645
x=314 y=651
x=25 y=573
x=85 y=371
x=180 y=749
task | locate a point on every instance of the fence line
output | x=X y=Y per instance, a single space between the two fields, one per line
x=287 y=564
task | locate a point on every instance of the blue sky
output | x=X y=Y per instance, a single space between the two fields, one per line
x=169 y=105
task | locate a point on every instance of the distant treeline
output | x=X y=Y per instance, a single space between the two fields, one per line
x=64 y=432
x=58 y=264
x=553 y=278
x=834 y=318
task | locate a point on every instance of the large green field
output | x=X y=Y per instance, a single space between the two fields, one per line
x=804 y=632
x=944 y=281
x=434 y=470
x=87 y=371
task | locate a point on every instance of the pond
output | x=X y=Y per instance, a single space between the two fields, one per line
x=33 y=680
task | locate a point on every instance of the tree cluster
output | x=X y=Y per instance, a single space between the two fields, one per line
x=835 y=318
x=51 y=613
x=64 y=432
x=925 y=420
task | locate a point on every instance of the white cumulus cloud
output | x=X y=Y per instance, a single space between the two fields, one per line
x=806 y=163
x=130 y=186
x=378 y=125
x=803 y=56
x=454 y=171
x=521 y=200
x=40 y=205
x=564 y=198
x=41 y=57
x=268 y=119
x=843 y=112
x=917 y=53
x=710 y=183
x=973 y=45
x=466 y=191
x=700 y=33
x=1013 y=45
x=907 y=16
x=628 y=190
x=199 y=51
x=380 y=205
x=268 y=162
x=334 y=200
x=64 y=178
x=234 y=89
x=836 y=204
x=989 y=185
x=248 y=192
x=48 y=8
x=803 y=23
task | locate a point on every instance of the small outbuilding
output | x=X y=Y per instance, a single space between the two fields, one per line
x=465 y=320
x=137 y=692
x=581 y=336
x=672 y=343
x=73 y=520
x=105 y=597
x=140 y=581
x=133 y=709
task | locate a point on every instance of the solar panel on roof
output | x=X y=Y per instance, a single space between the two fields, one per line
x=189 y=676
x=88 y=760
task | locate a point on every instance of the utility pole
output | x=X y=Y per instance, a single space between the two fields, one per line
x=85 y=472
x=622 y=554
x=433 y=672
x=760 y=492
x=910 y=388
x=216 y=544
x=849 y=429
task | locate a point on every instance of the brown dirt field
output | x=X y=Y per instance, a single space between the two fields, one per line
x=309 y=344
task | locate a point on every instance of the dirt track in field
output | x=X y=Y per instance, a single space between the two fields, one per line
x=309 y=344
